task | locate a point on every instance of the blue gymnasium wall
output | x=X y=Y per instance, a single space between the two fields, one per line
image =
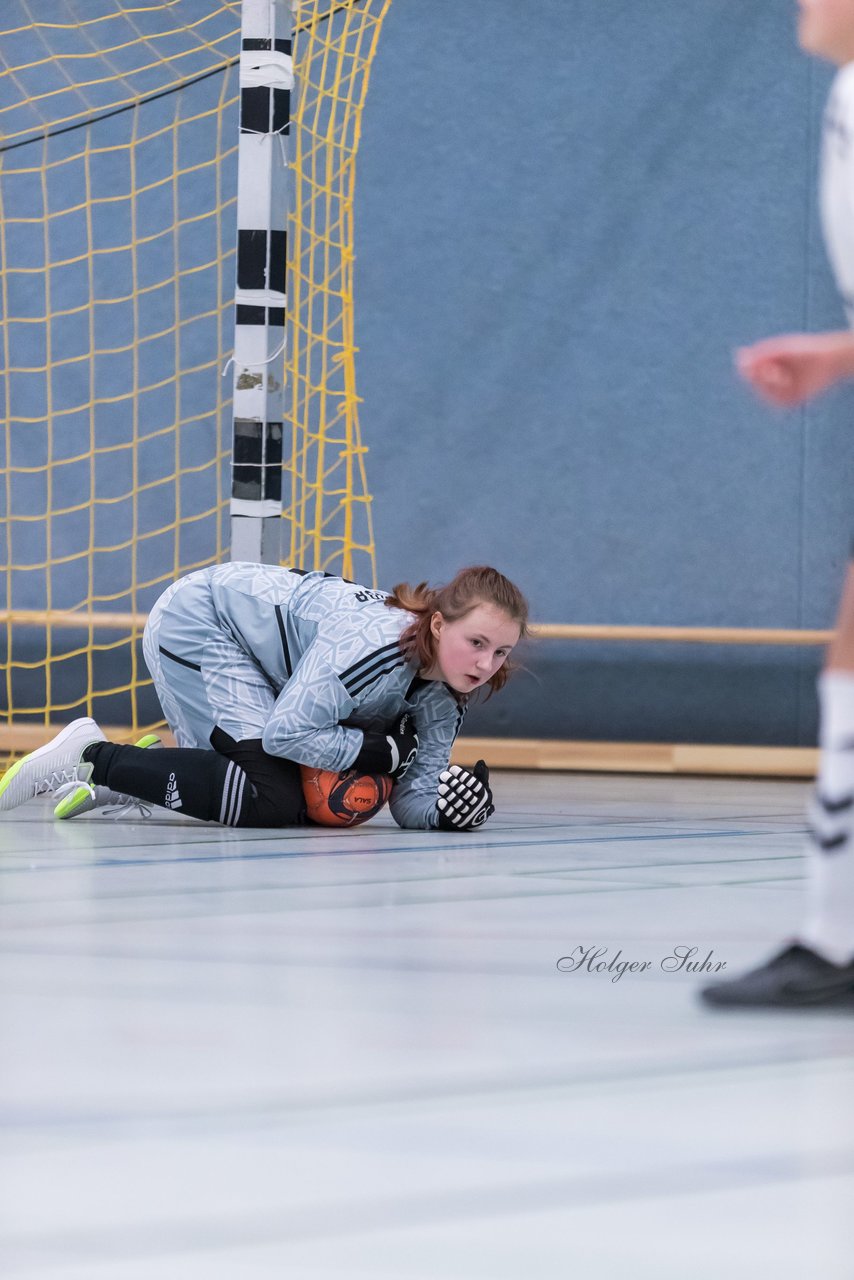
x=569 y=213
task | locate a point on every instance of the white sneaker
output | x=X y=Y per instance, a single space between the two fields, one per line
x=82 y=797
x=48 y=767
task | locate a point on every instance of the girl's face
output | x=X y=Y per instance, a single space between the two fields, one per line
x=826 y=28
x=470 y=650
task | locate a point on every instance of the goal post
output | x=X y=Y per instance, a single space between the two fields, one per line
x=294 y=349
x=266 y=82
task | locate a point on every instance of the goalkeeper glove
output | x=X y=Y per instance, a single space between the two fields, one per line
x=465 y=800
x=391 y=752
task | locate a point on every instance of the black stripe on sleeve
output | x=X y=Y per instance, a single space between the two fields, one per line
x=385 y=668
x=461 y=715
x=286 y=653
x=368 y=674
x=194 y=666
x=370 y=660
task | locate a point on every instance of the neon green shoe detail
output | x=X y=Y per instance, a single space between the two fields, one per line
x=83 y=798
x=54 y=766
x=10 y=775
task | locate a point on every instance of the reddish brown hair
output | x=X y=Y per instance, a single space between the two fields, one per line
x=471 y=587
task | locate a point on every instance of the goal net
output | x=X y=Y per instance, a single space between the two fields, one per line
x=118 y=146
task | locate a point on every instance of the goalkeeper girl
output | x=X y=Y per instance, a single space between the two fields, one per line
x=260 y=669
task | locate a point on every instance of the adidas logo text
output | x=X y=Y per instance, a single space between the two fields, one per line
x=173 y=796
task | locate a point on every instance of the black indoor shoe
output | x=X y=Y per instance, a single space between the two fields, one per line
x=797 y=978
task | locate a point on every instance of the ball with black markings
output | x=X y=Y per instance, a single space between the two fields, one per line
x=343 y=799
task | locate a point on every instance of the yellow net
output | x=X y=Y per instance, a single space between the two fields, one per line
x=118 y=168
x=329 y=508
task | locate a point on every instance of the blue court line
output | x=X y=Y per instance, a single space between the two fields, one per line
x=276 y=856
x=450 y=877
x=305 y=1106
x=376 y=1214
x=570 y=887
x=258 y=835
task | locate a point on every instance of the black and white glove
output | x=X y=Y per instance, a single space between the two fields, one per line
x=391 y=752
x=465 y=800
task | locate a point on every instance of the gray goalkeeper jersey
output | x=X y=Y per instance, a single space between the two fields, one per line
x=330 y=652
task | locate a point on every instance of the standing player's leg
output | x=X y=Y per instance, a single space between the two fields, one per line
x=829 y=928
x=818 y=969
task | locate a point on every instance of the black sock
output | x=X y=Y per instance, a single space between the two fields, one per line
x=201 y=784
x=238 y=784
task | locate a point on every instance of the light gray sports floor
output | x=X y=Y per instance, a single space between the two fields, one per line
x=354 y=1054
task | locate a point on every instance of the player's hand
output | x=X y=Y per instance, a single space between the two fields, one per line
x=791 y=369
x=465 y=800
x=392 y=752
